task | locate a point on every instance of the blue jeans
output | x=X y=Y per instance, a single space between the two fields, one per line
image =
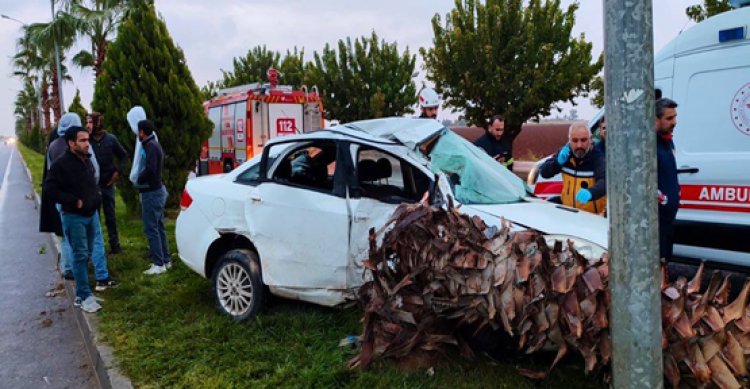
x=98 y=256
x=152 y=212
x=97 y=253
x=80 y=231
x=66 y=256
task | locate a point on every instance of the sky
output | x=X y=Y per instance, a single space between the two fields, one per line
x=211 y=33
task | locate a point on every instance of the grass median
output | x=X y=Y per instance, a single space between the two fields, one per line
x=166 y=333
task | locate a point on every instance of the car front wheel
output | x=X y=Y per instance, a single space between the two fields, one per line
x=237 y=284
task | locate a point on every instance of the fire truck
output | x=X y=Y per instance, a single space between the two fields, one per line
x=246 y=117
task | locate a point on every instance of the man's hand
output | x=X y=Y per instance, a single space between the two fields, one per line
x=583 y=196
x=563 y=155
x=500 y=158
x=114 y=179
x=662 y=198
x=79 y=204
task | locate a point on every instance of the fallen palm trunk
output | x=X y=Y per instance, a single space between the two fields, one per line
x=438 y=270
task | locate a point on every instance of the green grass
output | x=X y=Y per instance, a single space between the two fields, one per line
x=35 y=163
x=166 y=333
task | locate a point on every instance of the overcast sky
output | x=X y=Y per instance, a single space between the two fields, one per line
x=211 y=33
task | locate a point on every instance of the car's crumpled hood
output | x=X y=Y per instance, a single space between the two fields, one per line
x=548 y=218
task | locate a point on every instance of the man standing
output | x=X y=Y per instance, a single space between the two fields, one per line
x=669 y=186
x=429 y=102
x=602 y=145
x=492 y=142
x=71 y=183
x=583 y=170
x=153 y=197
x=107 y=148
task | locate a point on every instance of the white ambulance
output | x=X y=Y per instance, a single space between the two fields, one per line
x=706 y=70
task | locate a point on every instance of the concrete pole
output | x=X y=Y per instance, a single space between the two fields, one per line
x=57 y=60
x=635 y=317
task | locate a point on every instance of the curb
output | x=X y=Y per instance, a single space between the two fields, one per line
x=101 y=355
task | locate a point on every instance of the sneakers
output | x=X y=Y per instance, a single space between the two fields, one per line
x=154 y=269
x=115 y=250
x=89 y=305
x=68 y=275
x=105 y=284
x=168 y=265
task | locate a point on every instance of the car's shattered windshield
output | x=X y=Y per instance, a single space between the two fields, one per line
x=474 y=176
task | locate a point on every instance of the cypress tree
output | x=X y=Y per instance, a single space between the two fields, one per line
x=77 y=107
x=144 y=67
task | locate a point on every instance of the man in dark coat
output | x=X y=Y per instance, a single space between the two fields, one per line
x=493 y=143
x=49 y=217
x=72 y=184
x=669 y=186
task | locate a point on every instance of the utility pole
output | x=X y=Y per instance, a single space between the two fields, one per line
x=57 y=60
x=635 y=317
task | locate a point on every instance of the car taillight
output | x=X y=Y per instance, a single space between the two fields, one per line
x=185 y=200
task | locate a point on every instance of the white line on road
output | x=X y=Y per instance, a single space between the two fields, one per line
x=4 y=188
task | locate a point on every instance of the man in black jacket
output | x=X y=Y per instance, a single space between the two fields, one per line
x=153 y=197
x=71 y=183
x=107 y=149
x=493 y=143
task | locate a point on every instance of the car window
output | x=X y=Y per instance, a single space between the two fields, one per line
x=306 y=164
x=250 y=175
x=474 y=176
x=386 y=178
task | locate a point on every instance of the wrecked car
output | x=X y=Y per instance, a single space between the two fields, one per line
x=294 y=220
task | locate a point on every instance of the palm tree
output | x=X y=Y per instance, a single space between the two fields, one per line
x=98 y=20
x=33 y=68
x=60 y=32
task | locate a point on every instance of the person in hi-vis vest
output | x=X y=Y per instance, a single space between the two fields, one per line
x=583 y=171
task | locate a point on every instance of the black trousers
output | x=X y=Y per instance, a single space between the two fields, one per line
x=108 y=205
x=666 y=237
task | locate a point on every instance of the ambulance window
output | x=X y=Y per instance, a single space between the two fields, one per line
x=383 y=177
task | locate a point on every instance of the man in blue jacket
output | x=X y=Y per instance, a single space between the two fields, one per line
x=669 y=187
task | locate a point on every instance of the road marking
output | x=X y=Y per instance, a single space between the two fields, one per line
x=4 y=188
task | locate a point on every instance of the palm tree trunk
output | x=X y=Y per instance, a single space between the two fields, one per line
x=101 y=52
x=46 y=107
x=57 y=110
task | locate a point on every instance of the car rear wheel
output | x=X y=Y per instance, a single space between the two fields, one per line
x=237 y=284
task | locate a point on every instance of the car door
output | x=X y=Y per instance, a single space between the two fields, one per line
x=297 y=218
x=382 y=181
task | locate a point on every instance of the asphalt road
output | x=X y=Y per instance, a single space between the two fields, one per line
x=40 y=343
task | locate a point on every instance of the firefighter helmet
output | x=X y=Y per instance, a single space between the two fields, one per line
x=428 y=98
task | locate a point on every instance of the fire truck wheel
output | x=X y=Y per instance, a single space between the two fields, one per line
x=227 y=166
x=238 y=285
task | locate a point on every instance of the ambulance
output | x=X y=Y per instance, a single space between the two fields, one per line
x=246 y=117
x=706 y=70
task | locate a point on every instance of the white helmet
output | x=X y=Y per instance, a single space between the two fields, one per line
x=428 y=98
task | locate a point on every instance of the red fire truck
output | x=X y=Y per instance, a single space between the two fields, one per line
x=246 y=117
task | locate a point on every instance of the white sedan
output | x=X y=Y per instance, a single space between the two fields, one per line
x=294 y=221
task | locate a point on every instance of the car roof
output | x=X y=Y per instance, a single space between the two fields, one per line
x=408 y=132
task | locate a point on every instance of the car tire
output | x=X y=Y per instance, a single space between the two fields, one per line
x=237 y=284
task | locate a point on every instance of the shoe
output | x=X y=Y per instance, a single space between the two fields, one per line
x=168 y=265
x=154 y=269
x=90 y=305
x=77 y=302
x=117 y=249
x=105 y=284
x=68 y=275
